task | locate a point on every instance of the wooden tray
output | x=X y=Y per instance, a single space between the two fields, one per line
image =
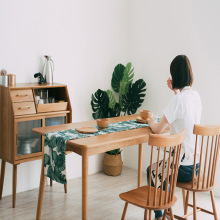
x=87 y=130
x=141 y=120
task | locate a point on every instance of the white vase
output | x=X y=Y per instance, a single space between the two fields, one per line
x=48 y=69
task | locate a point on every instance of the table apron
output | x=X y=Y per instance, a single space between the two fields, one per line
x=93 y=150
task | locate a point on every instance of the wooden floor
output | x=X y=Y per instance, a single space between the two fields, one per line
x=104 y=202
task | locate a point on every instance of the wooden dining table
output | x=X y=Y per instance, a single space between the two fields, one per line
x=95 y=145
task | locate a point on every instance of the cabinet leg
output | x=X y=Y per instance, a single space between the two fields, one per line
x=65 y=188
x=41 y=192
x=51 y=182
x=14 y=184
x=2 y=177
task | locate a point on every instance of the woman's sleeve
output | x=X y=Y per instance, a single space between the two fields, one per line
x=171 y=112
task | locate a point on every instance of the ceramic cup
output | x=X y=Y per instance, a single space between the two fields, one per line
x=41 y=101
x=102 y=123
x=145 y=114
x=4 y=80
x=37 y=97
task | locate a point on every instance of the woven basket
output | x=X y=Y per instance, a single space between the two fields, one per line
x=112 y=164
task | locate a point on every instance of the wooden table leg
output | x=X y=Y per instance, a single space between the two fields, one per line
x=41 y=192
x=140 y=157
x=14 y=184
x=2 y=177
x=85 y=160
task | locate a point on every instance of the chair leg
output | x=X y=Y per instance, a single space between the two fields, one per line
x=14 y=184
x=145 y=214
x=171 y=214
x=124 y=211
x=194 y=206
x=65 y=188
x=186 y=203
x=184 y=199
x=2 y=177
x=150 y=214
x=213 y=205
x=164 y=214
x=51 y=182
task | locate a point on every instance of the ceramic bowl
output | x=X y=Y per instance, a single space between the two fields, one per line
x=145 y=114
x=102 y=123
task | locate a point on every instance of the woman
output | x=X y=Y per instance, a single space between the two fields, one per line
x=183 y=111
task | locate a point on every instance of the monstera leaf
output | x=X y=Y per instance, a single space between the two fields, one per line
x=112 y=100
x=117 y=77
x=134 y=97
x=115 y=112
x=128 y=74
x=99 y=103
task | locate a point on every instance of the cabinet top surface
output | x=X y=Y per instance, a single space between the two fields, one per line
x=34 y=85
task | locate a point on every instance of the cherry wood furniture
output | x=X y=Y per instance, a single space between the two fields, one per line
x=19 y=114
x=154 y=198
x=208 y=144
x=95 y=145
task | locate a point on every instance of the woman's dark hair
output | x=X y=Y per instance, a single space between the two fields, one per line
x=181 y=72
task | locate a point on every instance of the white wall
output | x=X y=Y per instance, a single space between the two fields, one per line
x=161 y=30
x=86 y=39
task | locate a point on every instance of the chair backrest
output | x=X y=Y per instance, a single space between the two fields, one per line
x=168 y=156
x=207 y=148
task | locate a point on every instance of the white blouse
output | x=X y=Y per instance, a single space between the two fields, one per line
x=183 y=111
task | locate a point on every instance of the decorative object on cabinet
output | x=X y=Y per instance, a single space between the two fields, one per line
x=3 y=78
x=42 y=80
x=11 y=79
x=19 y=114
x=48 y=69
x=130 y=96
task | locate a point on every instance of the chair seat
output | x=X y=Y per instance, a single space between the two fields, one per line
x=188 y=186
x=139 y=197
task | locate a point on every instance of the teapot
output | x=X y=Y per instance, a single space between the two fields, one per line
x=48 y=69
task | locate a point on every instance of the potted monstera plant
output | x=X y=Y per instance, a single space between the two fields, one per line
x=128 y=97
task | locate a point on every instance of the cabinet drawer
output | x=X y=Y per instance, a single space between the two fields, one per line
x=25 y=95
x=24 y=108
x=52 y=107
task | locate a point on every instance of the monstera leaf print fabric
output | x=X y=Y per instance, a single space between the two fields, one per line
x=55 y=147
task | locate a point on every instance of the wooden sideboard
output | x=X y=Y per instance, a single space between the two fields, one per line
x=19 y=114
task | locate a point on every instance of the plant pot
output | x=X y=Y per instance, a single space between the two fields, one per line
x=112 y=164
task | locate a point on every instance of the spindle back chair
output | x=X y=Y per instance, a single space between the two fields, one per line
x=164 y=172
x=206 y=154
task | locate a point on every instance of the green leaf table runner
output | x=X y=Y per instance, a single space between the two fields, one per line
x=55 y=147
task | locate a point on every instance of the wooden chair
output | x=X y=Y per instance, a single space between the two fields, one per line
x=65 y=185
x=207 y=145
x=154 y=198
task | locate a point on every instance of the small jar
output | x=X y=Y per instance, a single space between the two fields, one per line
x=11 y=79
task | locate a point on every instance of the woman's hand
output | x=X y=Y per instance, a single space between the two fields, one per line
x=169 y=84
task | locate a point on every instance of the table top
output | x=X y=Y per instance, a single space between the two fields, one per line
x=101 y=143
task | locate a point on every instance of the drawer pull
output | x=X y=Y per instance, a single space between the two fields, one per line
x=24 y=108
x=21 y=95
